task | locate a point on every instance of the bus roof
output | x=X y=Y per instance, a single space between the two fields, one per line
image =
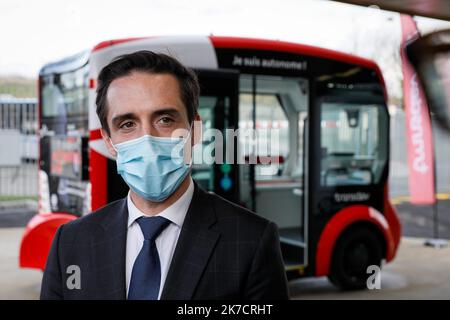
x=66 y=64
x=80 y=59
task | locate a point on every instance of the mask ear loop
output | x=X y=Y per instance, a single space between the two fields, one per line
x=114 y=147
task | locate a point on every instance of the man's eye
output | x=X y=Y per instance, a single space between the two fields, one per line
x=127 y=125
x=165 y=121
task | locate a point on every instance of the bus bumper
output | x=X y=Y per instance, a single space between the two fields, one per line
x=38 y=237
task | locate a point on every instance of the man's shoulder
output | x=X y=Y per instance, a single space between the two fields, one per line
x=97 y=218
x=228 y=212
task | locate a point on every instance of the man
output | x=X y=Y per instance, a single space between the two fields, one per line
x=168 y=239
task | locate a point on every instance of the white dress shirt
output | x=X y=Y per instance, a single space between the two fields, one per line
x=165 y=242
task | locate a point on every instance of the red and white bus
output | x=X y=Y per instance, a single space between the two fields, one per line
x=327 y=193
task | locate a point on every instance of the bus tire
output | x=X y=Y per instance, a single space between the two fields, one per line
x=356 y=250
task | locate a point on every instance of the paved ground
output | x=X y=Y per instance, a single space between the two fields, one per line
x=15 y=283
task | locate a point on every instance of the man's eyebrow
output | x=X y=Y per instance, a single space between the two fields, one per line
x=116 y=120
x=169 y=111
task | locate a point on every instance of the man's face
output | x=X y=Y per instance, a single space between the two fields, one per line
x=143 y=103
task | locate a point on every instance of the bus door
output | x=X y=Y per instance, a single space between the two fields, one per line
x=272 y=120
x=218 y=105
x=349 y=151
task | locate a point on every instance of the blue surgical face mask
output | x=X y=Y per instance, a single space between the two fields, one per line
x=153 y=167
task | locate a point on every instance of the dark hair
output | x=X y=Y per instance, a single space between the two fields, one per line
x=151 y=62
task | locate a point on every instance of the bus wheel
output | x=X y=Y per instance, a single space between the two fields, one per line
x=355 y=250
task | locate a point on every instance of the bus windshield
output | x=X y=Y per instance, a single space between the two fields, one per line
x=65 y=94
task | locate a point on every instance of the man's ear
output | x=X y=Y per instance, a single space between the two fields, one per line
x=108 y=143
x=197 y=130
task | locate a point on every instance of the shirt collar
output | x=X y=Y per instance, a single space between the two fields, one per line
x=176 y=212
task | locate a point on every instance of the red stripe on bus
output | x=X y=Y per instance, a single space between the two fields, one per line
x=92 y=83
x=99 y=179
x=108 y=43
x=95 y=134
x=392 y=217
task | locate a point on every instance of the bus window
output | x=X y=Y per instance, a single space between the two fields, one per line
x=352 y=151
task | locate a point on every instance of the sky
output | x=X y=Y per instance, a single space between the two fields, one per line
x=36 y=32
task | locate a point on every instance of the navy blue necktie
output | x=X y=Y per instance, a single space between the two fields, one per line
x=146 y=274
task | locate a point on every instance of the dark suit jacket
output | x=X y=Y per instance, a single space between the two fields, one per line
x=223 y=252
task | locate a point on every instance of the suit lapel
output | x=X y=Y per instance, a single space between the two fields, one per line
x=111 y=247
x=195 y=245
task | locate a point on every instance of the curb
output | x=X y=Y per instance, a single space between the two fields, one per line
x=25 y=205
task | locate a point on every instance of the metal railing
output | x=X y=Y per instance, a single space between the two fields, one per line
x=19 y=149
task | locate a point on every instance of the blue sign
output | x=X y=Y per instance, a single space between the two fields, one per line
x=226 y=183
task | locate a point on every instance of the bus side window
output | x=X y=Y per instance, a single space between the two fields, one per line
x=349 y=143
